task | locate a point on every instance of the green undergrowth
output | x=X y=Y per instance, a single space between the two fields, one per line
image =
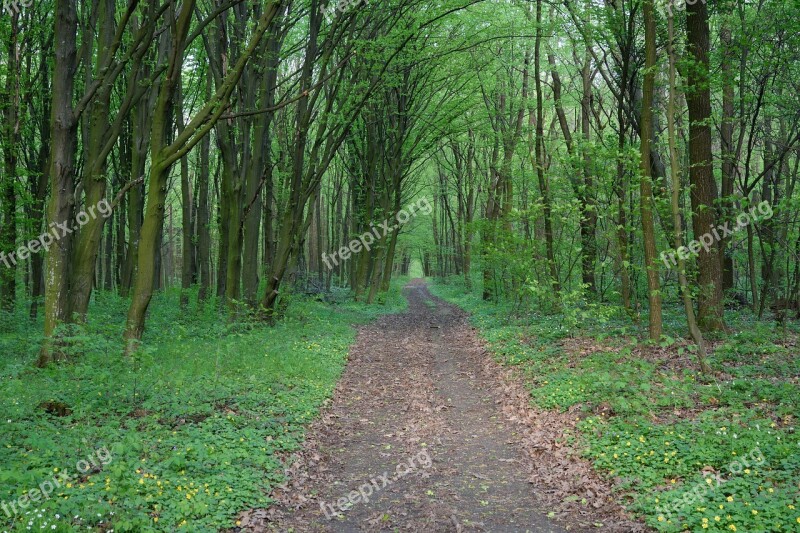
x=185 y=435
x=685 y=451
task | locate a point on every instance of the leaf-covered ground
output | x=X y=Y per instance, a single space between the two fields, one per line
x=197 y=426
x=683 y=451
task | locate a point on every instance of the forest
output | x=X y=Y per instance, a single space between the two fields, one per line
x=426 y=265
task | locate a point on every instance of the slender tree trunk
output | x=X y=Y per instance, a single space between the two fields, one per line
x=62 y=160
x=186 y=215
x=39 y=182
x=280 y=263
x=621 y=193
x=141 y=122
x=588 y=223
x=252 y=219
x=620 y=186
x=646 y=182
x=291 y=223
x=223 y=227
x=259 y=172
x=203 y=218
x=8 y=183
x=108 y=258
x=230 y=209
x=376 y=275
x=751 y=268
x=389 y=262
x=152 y=226
x=88 y=239
x=688 y=306
x=728 y=148
x=469 y=211
x=543 y=185
x=704 y=187
x=269 y=237
x=490 y=224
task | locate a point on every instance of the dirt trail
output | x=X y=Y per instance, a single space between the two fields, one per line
x=417 y=427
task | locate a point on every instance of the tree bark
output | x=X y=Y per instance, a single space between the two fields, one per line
x=543 y=185
x=64 y=126
x=588 y=222
x=688 y=305
x=728 y=148
x=203 y=217
x=646 y=182
x=701 y=175
x=187 y=243
x=8 y=183
x=89 y=238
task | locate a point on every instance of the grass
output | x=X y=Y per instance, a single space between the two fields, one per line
x=685 y=451
x=187 y=434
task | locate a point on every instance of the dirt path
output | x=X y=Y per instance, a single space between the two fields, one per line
x=418 y=439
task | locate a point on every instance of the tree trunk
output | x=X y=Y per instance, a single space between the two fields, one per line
x=543 y=185
x=203 y=218
x=141 y=122
x=39 y=182
x=152 y=225
x=588 y=223
x=93 y=180
x=62 y=160
x=688 y=306
x=187 y=243
x=646 y=182
x=728 y=148
x=259 y=172
x=8 y=188
x=701 y=175
x=108 y=258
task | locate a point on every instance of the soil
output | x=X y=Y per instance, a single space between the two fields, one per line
x=427 y=433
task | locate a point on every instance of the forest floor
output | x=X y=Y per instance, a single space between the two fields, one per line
x=426 y=432
x=445 y=412
x=194 y=429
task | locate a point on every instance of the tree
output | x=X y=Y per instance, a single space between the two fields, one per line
x=645 y=181
x=674 y=166
x=62 y=160
x=164 y=153
x=701 y=173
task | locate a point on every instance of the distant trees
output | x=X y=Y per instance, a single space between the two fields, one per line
x=238 y=142
x=598 y=237
x=123 y=102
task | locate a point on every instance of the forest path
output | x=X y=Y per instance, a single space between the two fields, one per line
x=417 y=428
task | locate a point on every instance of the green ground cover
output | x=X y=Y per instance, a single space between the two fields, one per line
x=193 y=430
